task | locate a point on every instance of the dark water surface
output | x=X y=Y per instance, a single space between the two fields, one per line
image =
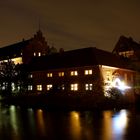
x=36 y=124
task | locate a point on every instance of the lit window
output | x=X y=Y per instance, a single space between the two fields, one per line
x=17 y=60
x=73 y=73
x=127 y=53
x=61 y=74
x=3 y=86
x=30 y=87
x=34 y=54
x=13 y=86
x=63 y=87
x=49 y=74
x=39 y=54
x=88 y=72
x=39 y=87
x=49 y=87
x=108 y=75
x=88 y=86
x=74 y=87
x=30 y=76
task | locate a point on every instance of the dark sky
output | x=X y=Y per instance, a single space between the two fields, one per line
x=70 y=23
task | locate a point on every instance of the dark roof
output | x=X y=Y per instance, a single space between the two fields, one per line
x=77 y=58
x=12 y=50
x=126 y=44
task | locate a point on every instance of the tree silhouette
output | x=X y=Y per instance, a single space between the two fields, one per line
x=13 y=78
x=7 y=76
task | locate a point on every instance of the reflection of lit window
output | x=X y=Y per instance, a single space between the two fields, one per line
x=39 y=54
x=88 y=72
x=30 y=87
x=39 y=87
x=34 y=54
x=88 y=86
x=74 y=87
x=49 y=74
x=73 y=73
x=49 y=87
x=60 y=74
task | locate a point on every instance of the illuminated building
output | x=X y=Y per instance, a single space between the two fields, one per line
x=86 y=71
x=23 y=52
x=129 y=49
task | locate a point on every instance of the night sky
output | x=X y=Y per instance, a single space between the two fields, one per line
x=70 y=24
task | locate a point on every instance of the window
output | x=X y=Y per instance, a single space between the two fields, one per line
x=73 y=73
x=13 y=86
x=49 y=87
x=30 y=76
x=4 y=85
x=63 y=87
x=108 y=76
x=74 y=87
x=88 y=72
x=61 y=74
x=39 y=87
x=127 y=53
x=49 y=74
x=39 y=54
x=30 y=87
x=34 y=54
x=88 y=86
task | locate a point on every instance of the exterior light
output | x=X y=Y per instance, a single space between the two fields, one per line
x=119 y=84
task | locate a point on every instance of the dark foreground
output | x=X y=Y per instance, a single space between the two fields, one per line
x=66 y=102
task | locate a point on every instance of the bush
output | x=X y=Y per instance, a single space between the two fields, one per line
x=114 y=93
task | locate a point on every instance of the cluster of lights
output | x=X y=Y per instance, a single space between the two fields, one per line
x=117 y=83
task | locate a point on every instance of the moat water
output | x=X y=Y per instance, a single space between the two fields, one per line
x=18 y=123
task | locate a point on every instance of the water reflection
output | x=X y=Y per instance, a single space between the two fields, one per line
x=13 y=122
x=40 y=122
x=31 y=121
x=21 y=124
x=75 y=126
x=106 y=128
x=114 y=125
x=120 y=122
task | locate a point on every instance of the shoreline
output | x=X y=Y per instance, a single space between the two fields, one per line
x=57 y=102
